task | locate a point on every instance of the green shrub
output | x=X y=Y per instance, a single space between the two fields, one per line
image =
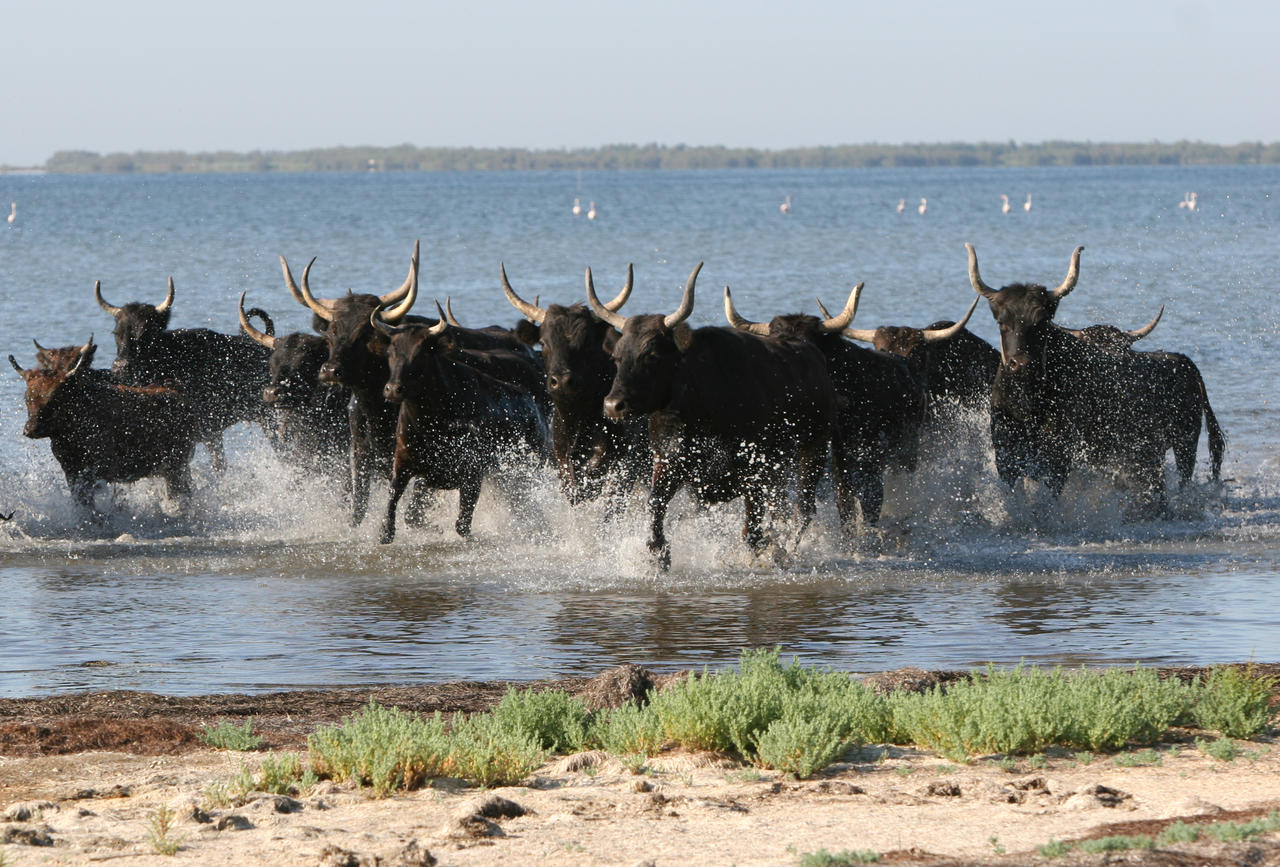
x=1025 y=710
x=1223 y=749
x=554 y=719
x=732 y=711
x=228 y=736
x=1118 y=843
x=1232 y=701
x=1054 y=849
x=384 y=748
x=799 y=746
x=483 y=749
x=1178 y=832
x=627 y=729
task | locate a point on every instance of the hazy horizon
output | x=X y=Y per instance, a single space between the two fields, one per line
x=143 y=75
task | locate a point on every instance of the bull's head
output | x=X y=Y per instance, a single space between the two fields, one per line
x=1114 y=339
x=138 y=331
x=45 y=384
x=357 y=351
x=1022 y=310
x=646 y=354
x=797 y=325
x=575 y=345
x=413 y=356
x=294 y=365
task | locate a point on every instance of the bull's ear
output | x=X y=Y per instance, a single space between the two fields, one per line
x=683 y=336
x=319 y=324
x=527 y=332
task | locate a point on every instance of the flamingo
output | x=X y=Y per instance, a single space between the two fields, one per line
x=591 y=211
x=902 y=205
x=1026 y=206
x=1004 y=209
x=1191 y=201
x=13 y=212
x=577 y=207
x=924 y=206
x=785 y=207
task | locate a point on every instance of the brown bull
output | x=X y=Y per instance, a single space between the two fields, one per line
x=100 y=431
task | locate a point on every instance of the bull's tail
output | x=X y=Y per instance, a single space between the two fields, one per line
x=1217 y=440
x=268 y=327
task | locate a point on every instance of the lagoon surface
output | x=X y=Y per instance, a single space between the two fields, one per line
x=264 y=585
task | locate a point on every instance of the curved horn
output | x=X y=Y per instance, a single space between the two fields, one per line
x=40 y=348
x=381 y=325
x=84 y=352
x=17 y=367
x=164 y=305
x=1148 y=328
x=761 y=328
x=1073 y=274
x=320 y=307
x=448 y=312
x=841 y=322
x=410 y=283
x=258 y=337
x=932 y=334
x=395 y=313
x=288 y=281
x=686 y=302
x=97 y=293
x=617 y=320
x=621 y=297
x=532 y=312
x=975 y=278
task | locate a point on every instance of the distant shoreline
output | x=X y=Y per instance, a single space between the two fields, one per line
x=661 y=157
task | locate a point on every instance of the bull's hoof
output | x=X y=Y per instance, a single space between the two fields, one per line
x=463 y=528
x=661 y=554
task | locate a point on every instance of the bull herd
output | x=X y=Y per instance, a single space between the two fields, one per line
x=757 y=410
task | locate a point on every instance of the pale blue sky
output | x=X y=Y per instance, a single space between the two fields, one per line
x=237 y=75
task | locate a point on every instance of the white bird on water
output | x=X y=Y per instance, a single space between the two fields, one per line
x=902 y=205
x=1188 y=201
x=924 y=206
x=577 y=207
x=591 y=211
x=785 y=207
x=1006 y=207
x=1026 y=206
x=13 y=212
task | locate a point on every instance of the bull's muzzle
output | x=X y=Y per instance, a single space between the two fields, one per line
x=392 y=392
x=616 y=408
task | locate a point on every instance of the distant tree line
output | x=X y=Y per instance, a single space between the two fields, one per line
x=654 y=156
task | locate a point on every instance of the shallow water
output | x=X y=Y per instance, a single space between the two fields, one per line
x=263 y=585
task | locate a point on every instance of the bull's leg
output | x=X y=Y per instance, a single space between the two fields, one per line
x=217 y=454
x=420 y=501
x=399 y=481
x=753 y=523
x=468 y=494
x=359 y=470
x=666 y=481
x=177 y=482
x=809 y=471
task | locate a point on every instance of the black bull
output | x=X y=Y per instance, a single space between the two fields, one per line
x=880 y=404
x=220 y=374
x=1059 y=401
x=593 y=454
x=731 y=414
x=358 y=359
x=456 y=424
